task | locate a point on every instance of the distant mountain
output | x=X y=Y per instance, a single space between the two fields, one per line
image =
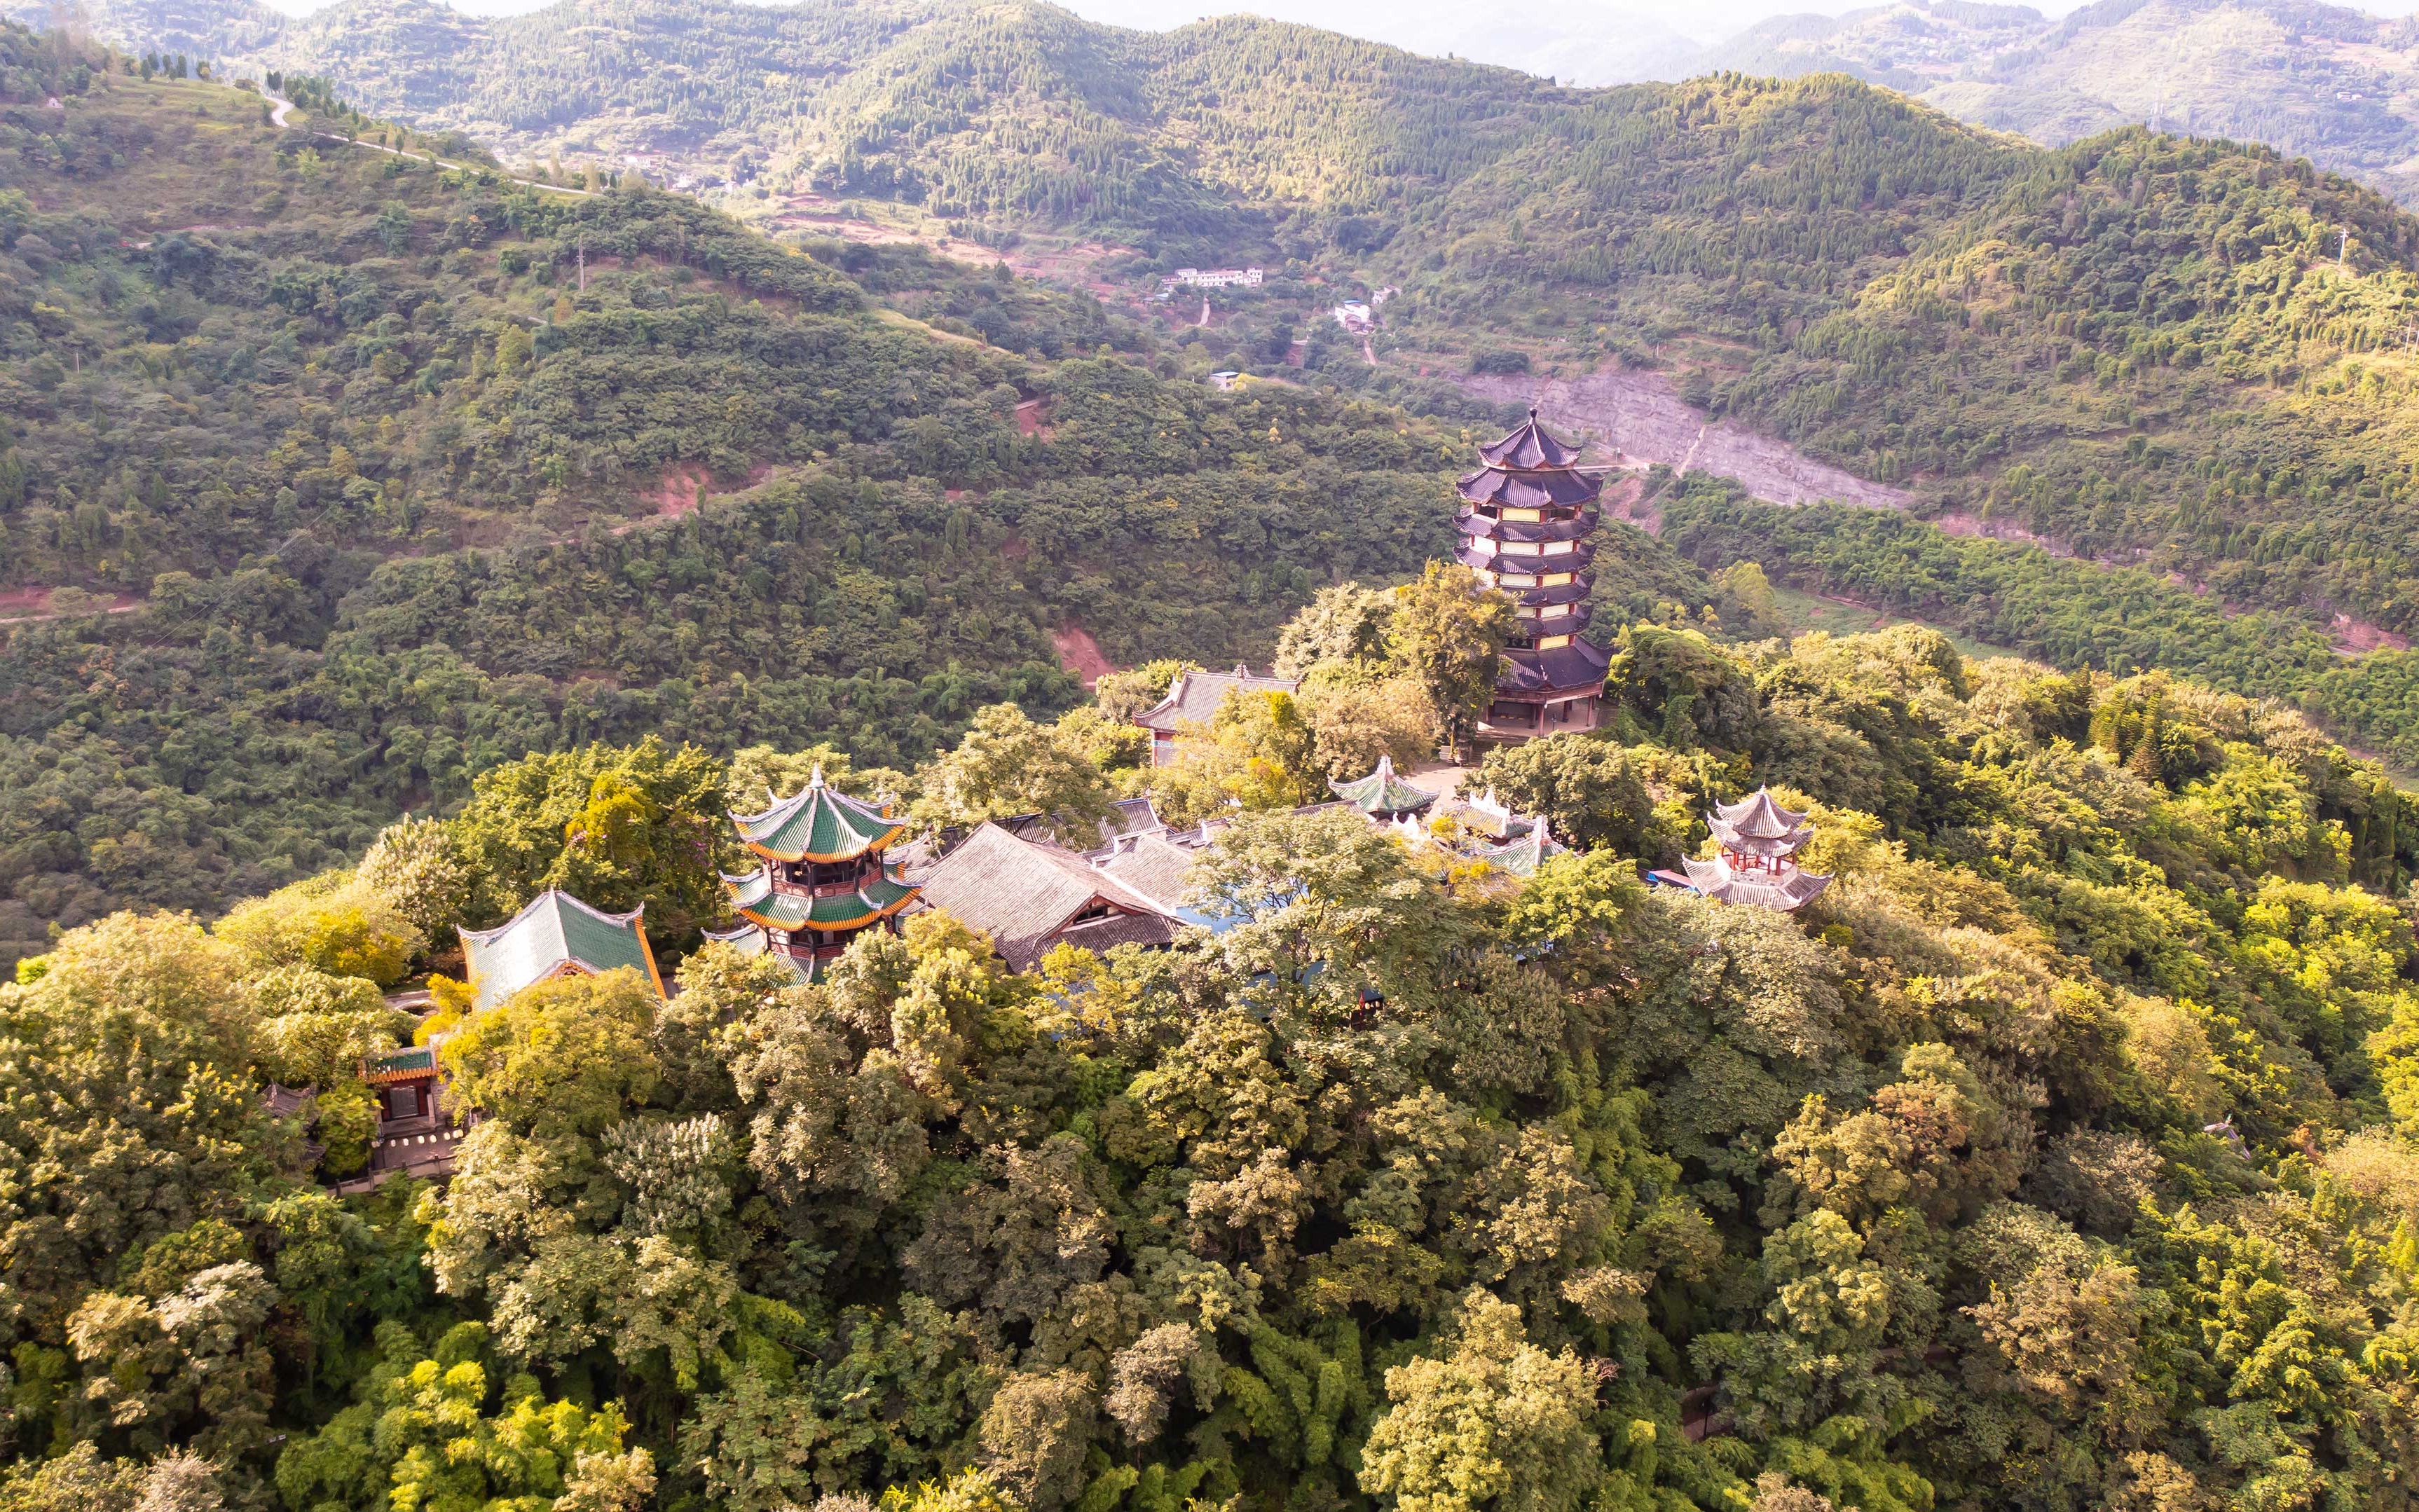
x=2337 y=86
x=708 y=81
x=229 y=29
x=703 y=81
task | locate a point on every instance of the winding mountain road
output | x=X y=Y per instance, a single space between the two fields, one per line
x=280 y=106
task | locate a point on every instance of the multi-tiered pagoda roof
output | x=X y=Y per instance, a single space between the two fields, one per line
x=1525 y=522
x=819 y=822
x=1756 y=826
x=823 y=878
x=1757 y=864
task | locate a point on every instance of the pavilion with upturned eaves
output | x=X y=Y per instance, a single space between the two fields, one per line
x=824 y=877
x=1382 y=796
x=1757 y=863
x=1524 y=524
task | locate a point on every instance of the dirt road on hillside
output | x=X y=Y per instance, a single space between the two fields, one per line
x=1642 y=415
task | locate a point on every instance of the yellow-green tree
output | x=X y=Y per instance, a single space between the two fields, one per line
x=1448 y=630
x=1495 y=1425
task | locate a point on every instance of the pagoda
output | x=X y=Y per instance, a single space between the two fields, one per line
x=1524 y=521
x=1757 y=861
x=823 y=880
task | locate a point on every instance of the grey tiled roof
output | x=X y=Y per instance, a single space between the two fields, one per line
x=1024 y=893
x=1196 y=697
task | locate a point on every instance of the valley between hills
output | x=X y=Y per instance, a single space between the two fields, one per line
x=972 y=817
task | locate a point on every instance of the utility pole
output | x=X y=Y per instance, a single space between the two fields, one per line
x=583 y=265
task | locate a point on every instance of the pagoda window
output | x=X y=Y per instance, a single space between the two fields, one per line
x=1520 y=549
x=1554 y=611
x=1555 y=580
x=826 y=876
x=1549 y=643
x=1524 y=517
x=1516 y=579
x=1561 y=549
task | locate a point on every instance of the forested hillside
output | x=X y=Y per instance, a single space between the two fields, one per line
x=388 y=497
x=2147 y=349
x=2150 y=349
x=2056 y=1156
x=707 y=81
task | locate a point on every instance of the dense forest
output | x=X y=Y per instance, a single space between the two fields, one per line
x=2056 y=1156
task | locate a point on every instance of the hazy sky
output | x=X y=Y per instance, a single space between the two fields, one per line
x=1583 y=41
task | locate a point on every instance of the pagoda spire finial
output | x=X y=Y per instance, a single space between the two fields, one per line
x=817 y=780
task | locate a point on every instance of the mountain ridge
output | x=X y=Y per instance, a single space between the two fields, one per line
x=2328 y=82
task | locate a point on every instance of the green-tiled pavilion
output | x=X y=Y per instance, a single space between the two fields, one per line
x=824 y=877
x=1383 y=796
x=555 y=936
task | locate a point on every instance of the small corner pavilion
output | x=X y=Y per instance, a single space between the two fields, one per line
x=555 y=934
x=1382 y=796
x=1757 y=864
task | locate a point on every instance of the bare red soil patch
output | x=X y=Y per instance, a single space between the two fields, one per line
x=1962 y=522
x=1076 y=264
x=34 y=603
x=2358 y=637
x=1081 y=655
x=680 y=491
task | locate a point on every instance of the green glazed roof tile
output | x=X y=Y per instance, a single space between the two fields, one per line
x=1382 y=792
x=554 y=932
x=818 y=824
